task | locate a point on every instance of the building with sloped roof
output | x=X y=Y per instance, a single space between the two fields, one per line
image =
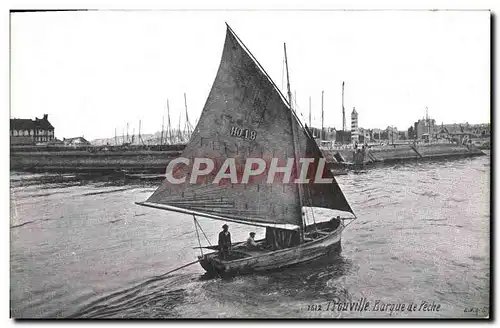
x=76 y=142
x=29 y=132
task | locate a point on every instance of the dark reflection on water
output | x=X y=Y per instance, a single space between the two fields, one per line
x=81 y=248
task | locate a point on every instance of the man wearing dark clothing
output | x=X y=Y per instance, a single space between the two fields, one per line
x=224 y=242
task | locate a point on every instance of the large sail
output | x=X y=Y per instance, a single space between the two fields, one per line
x=245 y=117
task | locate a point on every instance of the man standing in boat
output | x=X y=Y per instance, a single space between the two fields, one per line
x=224 y=242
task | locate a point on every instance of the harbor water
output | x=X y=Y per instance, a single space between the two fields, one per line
x=80 y=247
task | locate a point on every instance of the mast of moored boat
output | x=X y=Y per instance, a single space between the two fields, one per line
x=169 y=126
x=179 y=132
x=343 y=109
x=309 y=112
x=321 y=136
x=127 y=132
x=295 y=148
x=188 y=129
x=139 y=137
x=162 y=129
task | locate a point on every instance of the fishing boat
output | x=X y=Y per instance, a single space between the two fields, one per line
x=246 y=119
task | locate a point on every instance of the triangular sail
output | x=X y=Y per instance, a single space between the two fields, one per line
x=243 y=101
x=320 y=194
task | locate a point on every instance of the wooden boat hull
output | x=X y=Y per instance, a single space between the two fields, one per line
x=304 y=253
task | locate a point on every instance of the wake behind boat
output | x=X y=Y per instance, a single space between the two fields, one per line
x=251 y=161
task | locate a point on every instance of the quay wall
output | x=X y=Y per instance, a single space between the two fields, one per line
x=403 y=152
x=146 y=161
x=450 y=150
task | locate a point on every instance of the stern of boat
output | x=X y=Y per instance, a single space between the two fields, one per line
x=212 y=264
x=209 y=264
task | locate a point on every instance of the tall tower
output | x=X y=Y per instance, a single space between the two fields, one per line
x=427 y=121
x=354 y=126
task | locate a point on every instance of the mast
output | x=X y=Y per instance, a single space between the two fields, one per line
x=116 y=142
x=343 y=109
x=288 y=80
x=309 y=111
x=162 y=129
x=127 y=131
x=169 y=127
x=295 y=98
x=179 y=133
x=343 y=116
x=139 y=137
x=322 y=118
x=295 y=149
x=188 y=129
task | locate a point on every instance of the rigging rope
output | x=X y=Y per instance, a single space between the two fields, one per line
x=314 y=220
x=198 y=223
x=197 y=234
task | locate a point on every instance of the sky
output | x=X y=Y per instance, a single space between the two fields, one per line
x=94 y=72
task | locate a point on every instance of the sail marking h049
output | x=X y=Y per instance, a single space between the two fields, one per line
x=243 y=97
